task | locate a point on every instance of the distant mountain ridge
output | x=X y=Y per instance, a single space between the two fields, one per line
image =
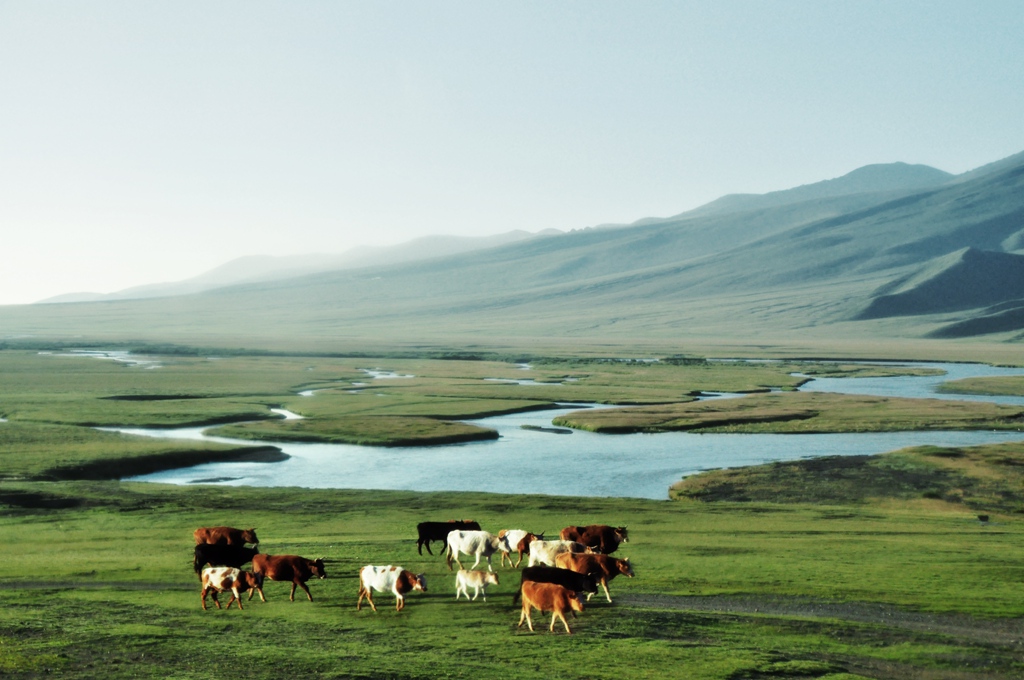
x=253 y=268
x=941 y=257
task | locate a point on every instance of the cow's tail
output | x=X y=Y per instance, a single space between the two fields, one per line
x=448 y=555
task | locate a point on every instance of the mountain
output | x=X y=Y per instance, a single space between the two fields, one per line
x=890 y=178
x=255 y=268
x=935 y=260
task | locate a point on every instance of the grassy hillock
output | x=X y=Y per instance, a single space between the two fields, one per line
x=800 y=412
x=983 y=479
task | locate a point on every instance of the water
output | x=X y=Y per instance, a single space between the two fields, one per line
x=582 y=464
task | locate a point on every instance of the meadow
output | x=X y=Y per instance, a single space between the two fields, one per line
x=884 y=581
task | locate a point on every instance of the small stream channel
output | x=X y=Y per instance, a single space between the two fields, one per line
x=584 y=464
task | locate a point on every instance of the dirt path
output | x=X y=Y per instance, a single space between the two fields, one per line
x=1002 y=632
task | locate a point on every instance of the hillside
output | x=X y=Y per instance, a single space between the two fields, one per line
x=874 y=265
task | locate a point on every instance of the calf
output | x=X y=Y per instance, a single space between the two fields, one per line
x=602 y=567
x=567 y=578
x=385 y=579
x=544 y=552
x=225 y=536
x=549 y=597
x=438 y=531
x=479 y=580
x=218 y=579
x=221 y=556
x=601 y=537
x=292 y=568
x=478 y=543
x=517 y=540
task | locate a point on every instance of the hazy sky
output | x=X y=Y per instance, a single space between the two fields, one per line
x=143 y=142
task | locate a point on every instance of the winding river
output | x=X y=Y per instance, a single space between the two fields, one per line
x=583 y=464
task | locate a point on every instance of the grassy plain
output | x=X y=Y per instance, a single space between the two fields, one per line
x=904 y=582
x=106 y=588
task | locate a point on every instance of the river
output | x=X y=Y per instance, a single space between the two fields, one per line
x=580 y=464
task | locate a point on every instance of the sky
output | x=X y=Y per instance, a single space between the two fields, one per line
x=145 y=142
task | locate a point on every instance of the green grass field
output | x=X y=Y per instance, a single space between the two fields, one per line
x=802 y=572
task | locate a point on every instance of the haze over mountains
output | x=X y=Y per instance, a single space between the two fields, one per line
x=891 y=250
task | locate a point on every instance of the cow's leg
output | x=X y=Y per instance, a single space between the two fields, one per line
x=517 y=563
x=478 y=556
x=525 y=615
x=291 y=596
x=204 y=599
x=304 y=587
x=565 y=623
x=399 y=603
x=489 y=567
x=604 y=584
x=213 y=594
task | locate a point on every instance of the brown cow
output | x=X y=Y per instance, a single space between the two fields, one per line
x=549 y=597
x=292 y=568
x=225 y=536
x=601 y=537
x=218 y=579
x=602 y=567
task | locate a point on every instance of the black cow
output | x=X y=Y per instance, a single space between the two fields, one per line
x=438 y=531
x=578 y=583
x=218 y=555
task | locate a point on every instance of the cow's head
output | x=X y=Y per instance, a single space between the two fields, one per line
x=317 y=567
x=621 y=534
x=250 y=580
x=420 y=582
x=576 y=602
x=491 y=577
x=625 y=567
x=249 y=536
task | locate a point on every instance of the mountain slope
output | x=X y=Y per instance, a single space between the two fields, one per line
x=840 y=265
x=967 y=279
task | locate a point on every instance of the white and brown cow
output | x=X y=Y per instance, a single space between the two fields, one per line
x=475 y=543
x=478 y=580
x=388 y=579
x=544 y=552
x=603 y=567
x=549 y=597
x=516 y=540
x=220 y=579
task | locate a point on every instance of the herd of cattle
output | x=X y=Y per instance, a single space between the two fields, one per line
x=557 y=575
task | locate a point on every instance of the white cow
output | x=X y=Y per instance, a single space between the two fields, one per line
x=388 y=579
x=479 y=580
x=478 y=543
x=544 y=552
x=515 y=540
